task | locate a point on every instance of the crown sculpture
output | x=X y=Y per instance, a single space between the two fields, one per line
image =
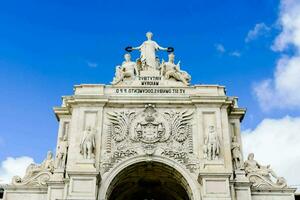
x=149 y=135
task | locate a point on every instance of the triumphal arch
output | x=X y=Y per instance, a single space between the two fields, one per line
x=149 y=135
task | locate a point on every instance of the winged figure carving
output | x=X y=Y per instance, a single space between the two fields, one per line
x=120 y=123
x=180 y=124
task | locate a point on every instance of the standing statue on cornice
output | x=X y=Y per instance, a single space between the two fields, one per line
x=236 y=153
x=148 y=49
x=62 y=152
x=128 y=70
x=170 y=70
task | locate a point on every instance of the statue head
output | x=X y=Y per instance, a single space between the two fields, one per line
x=251 y=156
x=149 y=35
x=234 y=139
x=171 y=57
x=127 y=57
x=211 y=129
x=49 y=155
x=65 y=137
x=88 y=128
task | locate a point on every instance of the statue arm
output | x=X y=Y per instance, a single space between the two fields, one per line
x=160 y=48
x=137 y=48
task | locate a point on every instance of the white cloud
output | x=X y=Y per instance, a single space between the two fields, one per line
x=276 y=142
x=235 y=54
x=92 y=64
x=258 y=30
x=220 y=48
x=282 y=90
x=289 y=20
x=13 y=166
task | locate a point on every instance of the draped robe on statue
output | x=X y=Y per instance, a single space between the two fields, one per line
x=147 y=50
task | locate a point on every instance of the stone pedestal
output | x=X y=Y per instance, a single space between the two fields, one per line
x=84 y=179
x=58 y=175
x=56 y=190
x=241 y=186
x=215 y=185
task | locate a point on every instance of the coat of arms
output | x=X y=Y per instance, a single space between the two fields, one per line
x=148 y=130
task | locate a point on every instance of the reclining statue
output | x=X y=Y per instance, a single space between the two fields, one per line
x=37 y=174
x=261 y=176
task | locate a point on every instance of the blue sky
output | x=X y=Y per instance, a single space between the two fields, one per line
x=46 y=47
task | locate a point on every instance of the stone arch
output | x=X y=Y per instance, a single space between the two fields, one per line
x=180 y=174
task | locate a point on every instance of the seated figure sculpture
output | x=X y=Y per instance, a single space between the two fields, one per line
x=128 y=70
x=34 y=171
x=261 y=175
x=171 y=70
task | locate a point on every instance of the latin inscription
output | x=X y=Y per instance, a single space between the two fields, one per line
x=150 y=80
x=150 y=91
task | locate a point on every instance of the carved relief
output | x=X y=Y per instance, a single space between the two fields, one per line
x=88 y=143
x=120 y=124
x=37 y=175
x=149 y=132
x=211 y=147
x=180 y=127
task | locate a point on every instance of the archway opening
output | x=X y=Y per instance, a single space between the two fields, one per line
x=149 y=181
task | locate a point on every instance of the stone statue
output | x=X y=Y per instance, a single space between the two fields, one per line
x=261 y=175
x=35 y=173
x=62 y=152
x=148 y=49
x=88 y=143
x=236 y=154
x=211 y=145
x=171 y=70
x=128 y=70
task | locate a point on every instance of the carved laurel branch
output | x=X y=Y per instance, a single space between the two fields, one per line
x=260 y=182
x=39 y=179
